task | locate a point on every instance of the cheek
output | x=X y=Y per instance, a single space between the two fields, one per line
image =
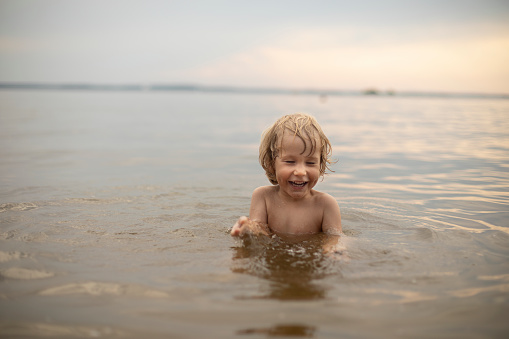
x=282 y=172
x=316 y=173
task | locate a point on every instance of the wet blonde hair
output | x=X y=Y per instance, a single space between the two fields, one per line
x=301 y=125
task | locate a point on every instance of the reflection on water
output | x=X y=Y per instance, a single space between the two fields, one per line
x=292 y=265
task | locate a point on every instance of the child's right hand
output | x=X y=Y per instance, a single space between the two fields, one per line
x=246 y=226
x=237 y=229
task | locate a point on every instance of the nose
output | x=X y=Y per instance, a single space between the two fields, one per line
x=300 y=169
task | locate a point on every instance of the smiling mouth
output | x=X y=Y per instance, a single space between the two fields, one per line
x=298 y=183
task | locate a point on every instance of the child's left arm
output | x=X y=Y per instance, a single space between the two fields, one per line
x=331 y=225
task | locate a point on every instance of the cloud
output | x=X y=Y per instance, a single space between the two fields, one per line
x=341 y=61
x=421 y=45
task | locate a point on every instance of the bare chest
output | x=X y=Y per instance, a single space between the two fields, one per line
x=301 y=218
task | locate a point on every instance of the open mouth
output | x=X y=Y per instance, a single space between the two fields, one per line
x=298 y=184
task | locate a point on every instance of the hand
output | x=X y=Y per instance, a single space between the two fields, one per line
x=245 y=226
x=333 y=247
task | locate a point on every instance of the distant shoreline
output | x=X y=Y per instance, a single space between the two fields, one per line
x=240 y=90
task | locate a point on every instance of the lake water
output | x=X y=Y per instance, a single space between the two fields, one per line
x=115 y=209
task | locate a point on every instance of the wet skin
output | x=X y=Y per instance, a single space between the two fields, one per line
x=292 y=206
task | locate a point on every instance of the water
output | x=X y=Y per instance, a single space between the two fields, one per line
x=115 y=206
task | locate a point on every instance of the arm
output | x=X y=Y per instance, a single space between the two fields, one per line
x=331 y=225
x=258 y=209
x=257 y=222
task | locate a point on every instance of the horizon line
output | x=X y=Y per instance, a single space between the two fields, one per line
x=189 y=87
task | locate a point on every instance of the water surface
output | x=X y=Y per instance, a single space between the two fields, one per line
x=115 y=209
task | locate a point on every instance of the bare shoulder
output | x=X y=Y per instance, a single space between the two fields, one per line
x=263 y=191
x=258 y=209
x=326 y=199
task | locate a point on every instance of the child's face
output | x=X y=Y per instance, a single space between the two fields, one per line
x=297 y=171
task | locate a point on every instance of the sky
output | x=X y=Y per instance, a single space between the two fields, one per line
x=401 y=45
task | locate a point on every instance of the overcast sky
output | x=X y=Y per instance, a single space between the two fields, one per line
x=431 y=45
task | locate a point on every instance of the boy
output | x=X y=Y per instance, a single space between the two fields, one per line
x=294 y=153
